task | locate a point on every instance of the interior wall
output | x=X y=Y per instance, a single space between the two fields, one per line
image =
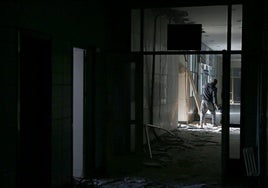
x=113 y=92
x=264 y=140
x=61 y=112
x=165 y=99
x=9 y=105
x=251 y=61
x=65 y=24
x=252 y=46
x=165 y=102
x=264 y=107
x=183 y=98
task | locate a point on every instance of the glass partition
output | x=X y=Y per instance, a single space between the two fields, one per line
x=213 y=21
x=234 y=147
x=236 y=35
x=173 y=85
x=235 y=96
x=235 y=89
x=135 y=30
x=172 y=80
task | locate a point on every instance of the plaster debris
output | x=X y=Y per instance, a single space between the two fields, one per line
x=190 y=158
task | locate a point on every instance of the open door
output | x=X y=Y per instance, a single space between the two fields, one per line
x=78 y=112
x=84 y=131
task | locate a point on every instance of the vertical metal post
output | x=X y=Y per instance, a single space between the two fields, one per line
x=226 y=64
x=139 y=88
x=225 y=113
x=148 y=140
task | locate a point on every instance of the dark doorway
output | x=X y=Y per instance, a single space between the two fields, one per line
x=34 y=161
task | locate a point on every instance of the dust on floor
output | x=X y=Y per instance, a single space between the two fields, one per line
x=190 y=159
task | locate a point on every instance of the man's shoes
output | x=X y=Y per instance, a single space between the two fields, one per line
x=201 y=125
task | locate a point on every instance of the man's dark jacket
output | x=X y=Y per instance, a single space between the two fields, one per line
x=210 y=93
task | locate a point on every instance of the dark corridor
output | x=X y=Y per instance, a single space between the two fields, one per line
x=35 y=111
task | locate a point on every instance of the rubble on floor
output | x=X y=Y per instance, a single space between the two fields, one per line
x=135 y=182
x=193 y=155
x=190 y=159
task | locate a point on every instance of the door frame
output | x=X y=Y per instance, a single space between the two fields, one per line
x=89 y=110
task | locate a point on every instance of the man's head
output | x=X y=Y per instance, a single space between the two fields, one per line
x=214 y=81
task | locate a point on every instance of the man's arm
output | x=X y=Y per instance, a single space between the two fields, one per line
x=215 y=102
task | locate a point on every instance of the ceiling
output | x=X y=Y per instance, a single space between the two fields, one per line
x=214 y=25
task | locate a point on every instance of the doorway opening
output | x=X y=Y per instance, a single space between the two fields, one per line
x=35 y=88
x=173 y=78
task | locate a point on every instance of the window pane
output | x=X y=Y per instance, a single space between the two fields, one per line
x=235 y=89
x=135 y=30
x=212 y=18
x=236 y=27
x=234 y=152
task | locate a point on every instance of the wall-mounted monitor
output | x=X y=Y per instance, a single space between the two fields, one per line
x=184 y=36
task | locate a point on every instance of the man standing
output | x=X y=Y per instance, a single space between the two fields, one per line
x=209 y=102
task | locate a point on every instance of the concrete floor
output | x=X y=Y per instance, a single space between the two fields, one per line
x=190 y=159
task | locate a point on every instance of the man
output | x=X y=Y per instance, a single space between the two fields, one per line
x=209 y=102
